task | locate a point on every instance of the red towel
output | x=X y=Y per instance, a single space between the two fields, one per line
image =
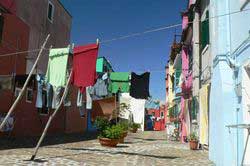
x=84 y=66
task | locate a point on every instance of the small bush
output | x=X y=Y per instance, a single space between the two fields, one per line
x=102 y=123
x=135 y=125
x=193 y=137
x=113 y=132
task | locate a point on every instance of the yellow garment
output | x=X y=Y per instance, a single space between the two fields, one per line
x=204 y=101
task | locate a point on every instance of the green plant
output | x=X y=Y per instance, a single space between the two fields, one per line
x=113 y=132
x=102 y=123
x=193 y=137
x=135 y=125
x=124 y=126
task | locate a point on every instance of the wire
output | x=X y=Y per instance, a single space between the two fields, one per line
x=23 y=52
x=139 y=33
x=169 y=27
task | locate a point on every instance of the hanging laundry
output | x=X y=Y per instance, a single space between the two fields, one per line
x=84 y=66
x=138 y=111
x=57 y=94
x=89 y=100
x=79 y=102
x=57 y=67
x=140 y=85
x=6 y=82
x=125 y=99
x=100 y=88
x=203 y=123
x=9 y=125
x=44 y=92
x=120 y=81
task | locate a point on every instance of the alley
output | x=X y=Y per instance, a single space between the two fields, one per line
x=148 y=148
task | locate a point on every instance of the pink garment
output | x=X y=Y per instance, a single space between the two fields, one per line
x=184 y=21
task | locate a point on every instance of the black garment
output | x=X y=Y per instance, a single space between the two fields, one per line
x=140 y=85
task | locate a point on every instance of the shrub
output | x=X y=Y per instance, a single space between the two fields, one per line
x=124 y=126
x=102 y=123
x=193 y=137
x=113 y=132
x=135 y=125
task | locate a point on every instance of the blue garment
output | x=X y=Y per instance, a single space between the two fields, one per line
x=100 y=88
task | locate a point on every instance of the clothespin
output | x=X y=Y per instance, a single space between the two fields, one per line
x=97 y=42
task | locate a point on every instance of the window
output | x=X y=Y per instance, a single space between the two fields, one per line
x=205 y=31
x=29 y=95
x=50 y=12
x=1 y=27
x=17 y=91
x=162 y=114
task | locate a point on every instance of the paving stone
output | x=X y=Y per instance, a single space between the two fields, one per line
x=147 y=148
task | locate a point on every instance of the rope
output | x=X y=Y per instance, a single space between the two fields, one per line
x=140 y=33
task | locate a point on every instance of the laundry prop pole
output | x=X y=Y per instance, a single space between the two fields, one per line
x=25 y=84
x=51 y=118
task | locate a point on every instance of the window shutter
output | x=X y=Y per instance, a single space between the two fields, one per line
x=205 y=31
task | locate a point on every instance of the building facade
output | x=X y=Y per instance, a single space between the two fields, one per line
x=35 y=20
x=229 y=101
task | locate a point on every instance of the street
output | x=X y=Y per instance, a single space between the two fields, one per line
x=147 y=148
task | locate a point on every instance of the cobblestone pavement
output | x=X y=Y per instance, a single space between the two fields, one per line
x=148 y=148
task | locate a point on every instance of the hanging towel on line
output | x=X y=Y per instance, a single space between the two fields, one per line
x=120 y=81
x=140 y=85
x=84 y=66
x=57 y=66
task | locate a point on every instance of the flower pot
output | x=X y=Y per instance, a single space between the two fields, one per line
x=193 y=144
x=124 y=134
x=134 y=130
x=108 y=142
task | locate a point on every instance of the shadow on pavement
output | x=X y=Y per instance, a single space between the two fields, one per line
x=30 y=142
x=150 y=139
x=122 y=153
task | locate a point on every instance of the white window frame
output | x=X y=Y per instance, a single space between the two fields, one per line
x=27 y=91
x=52 y=12
x=17 y=91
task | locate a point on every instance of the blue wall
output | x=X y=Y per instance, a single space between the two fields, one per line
x=226 y=33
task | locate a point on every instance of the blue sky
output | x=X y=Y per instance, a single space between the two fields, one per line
x=108 y=19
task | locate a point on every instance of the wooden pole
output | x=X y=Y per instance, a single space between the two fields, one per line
x=51 y=118
x=25 y=84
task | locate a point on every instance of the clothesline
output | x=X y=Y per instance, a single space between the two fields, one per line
x=139 y=33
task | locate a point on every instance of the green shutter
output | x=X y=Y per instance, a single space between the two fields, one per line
x=205 y=31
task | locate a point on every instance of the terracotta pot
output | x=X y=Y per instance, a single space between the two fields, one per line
x=124 y=134
x=108 y=142
x=193 y=144
x=133 y=130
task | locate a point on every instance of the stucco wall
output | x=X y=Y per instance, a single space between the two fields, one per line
x=34 y=14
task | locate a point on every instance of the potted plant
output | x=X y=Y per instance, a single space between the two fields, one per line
x=134 y=127
x=124 y=128
x=102 y=123
x=110 y=136
x=193 y=141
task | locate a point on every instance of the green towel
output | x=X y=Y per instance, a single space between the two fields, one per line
x=119 y=81
x=57 y=67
